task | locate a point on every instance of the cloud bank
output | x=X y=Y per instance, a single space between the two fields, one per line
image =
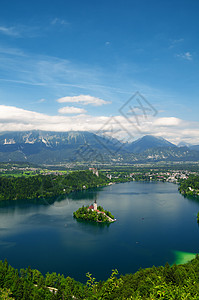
x=71 y=110
x=175 y=130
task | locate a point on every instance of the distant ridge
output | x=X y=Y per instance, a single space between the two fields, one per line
x=48 y=147
x=184 y=144
x=190 y=146
x=194 y=147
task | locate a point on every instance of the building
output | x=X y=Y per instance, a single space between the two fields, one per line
x=93 y=206
x=95 y=171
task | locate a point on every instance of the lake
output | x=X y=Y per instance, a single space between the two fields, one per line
x=155 y=224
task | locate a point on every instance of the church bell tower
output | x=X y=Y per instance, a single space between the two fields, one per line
x=95 y=205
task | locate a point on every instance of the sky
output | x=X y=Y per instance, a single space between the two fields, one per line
x=123 y=68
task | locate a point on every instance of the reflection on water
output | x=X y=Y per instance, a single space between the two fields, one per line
x=21 y=204
x=90 y=194
x=93 y=227
x=192 y=198
x=152 y=219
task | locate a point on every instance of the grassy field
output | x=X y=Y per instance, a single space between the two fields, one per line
x=22 y=169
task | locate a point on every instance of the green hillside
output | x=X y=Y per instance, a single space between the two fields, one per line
x=177 y=282
x=44 y=186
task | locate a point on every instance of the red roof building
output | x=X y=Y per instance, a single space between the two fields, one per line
x=91 y=207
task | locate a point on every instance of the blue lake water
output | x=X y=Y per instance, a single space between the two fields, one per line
x=154 y=224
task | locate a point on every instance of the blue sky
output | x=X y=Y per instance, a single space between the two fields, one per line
x=71 y=65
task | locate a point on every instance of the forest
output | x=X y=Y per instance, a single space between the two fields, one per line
x=44 y=186
x=168 y=282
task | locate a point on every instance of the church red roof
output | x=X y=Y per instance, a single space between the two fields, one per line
x=91 y=207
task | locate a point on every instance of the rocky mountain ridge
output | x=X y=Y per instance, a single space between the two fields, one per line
x=62 y=147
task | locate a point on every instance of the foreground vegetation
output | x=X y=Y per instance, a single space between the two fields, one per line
x=169 y=282
x=84 y=213
x=44 y=186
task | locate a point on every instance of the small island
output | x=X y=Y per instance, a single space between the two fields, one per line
x=94 y=213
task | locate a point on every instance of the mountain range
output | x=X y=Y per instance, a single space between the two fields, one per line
x=47 y=147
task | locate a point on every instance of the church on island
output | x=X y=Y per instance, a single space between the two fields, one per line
x=93 y=207
x=94 y=213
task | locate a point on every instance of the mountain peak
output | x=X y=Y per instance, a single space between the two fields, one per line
x=148 y=142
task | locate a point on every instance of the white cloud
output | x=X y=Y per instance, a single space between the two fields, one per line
x=11 y=31
x=186 y=56
x=21 y=30
x=84 y=99
x=41 y=100
x=13 y=119
x=172 y=129
x=58 y=75
x=71 y=110
x=11 y=51
x=59 y=21
x=62 y=77
x=171 y=121
x=176 y=42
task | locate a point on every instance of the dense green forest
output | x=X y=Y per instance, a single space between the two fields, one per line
x=169 y=282
x=84 y=213
x=43 y=186
x=190 y=186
